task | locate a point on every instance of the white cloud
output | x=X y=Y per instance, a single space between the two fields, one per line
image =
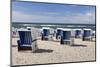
x=21 y=17
x=88 y=17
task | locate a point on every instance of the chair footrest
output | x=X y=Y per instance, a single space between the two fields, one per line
x=25 y=48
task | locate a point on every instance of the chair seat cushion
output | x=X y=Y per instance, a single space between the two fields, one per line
x=66 y=40
x=25 y=45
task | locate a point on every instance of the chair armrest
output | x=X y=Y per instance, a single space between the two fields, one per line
x=34 y=40
x=34 y=45
x=18 y=42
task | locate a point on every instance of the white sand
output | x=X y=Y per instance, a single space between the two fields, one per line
x=54 y=52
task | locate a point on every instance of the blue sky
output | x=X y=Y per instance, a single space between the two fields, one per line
x=52 y=13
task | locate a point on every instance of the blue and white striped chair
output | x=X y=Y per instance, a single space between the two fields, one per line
x=45 y=33
x=87 y=34
x=25 y=42
x=78 y=33
x=58 y=33
x=93 y=34
x=66 y=36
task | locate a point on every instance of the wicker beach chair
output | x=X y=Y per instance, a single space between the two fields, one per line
x=66 y=37
x=58 y=33
x=78 y=33
x=26 y=41
x=87 y=35
x=45 y=33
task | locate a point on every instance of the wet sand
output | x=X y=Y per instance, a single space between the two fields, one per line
x=54 y=52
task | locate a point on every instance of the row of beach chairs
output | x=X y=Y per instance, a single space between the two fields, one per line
x=64 y=35
x=28 y=38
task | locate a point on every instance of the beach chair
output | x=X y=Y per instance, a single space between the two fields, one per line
x=45 y=33
x=87 y=34
x=58 y=33
x=66 y=37
x=26 y=42
x=93 y=36
x=14 y=32
x=78 y=33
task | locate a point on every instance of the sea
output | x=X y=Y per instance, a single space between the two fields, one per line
x=53 y=25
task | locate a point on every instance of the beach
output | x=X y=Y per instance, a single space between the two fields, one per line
x=54 y=33
x=54 y=52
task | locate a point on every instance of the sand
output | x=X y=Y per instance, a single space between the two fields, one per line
x=54 y=52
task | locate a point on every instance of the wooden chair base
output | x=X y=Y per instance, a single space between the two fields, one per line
x=43 y=38
x=23 y=47
x=86 y=39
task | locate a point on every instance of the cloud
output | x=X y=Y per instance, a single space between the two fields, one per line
x=22 y=17
x=88 y=17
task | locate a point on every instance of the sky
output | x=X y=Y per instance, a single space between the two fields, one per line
x=32 y=12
